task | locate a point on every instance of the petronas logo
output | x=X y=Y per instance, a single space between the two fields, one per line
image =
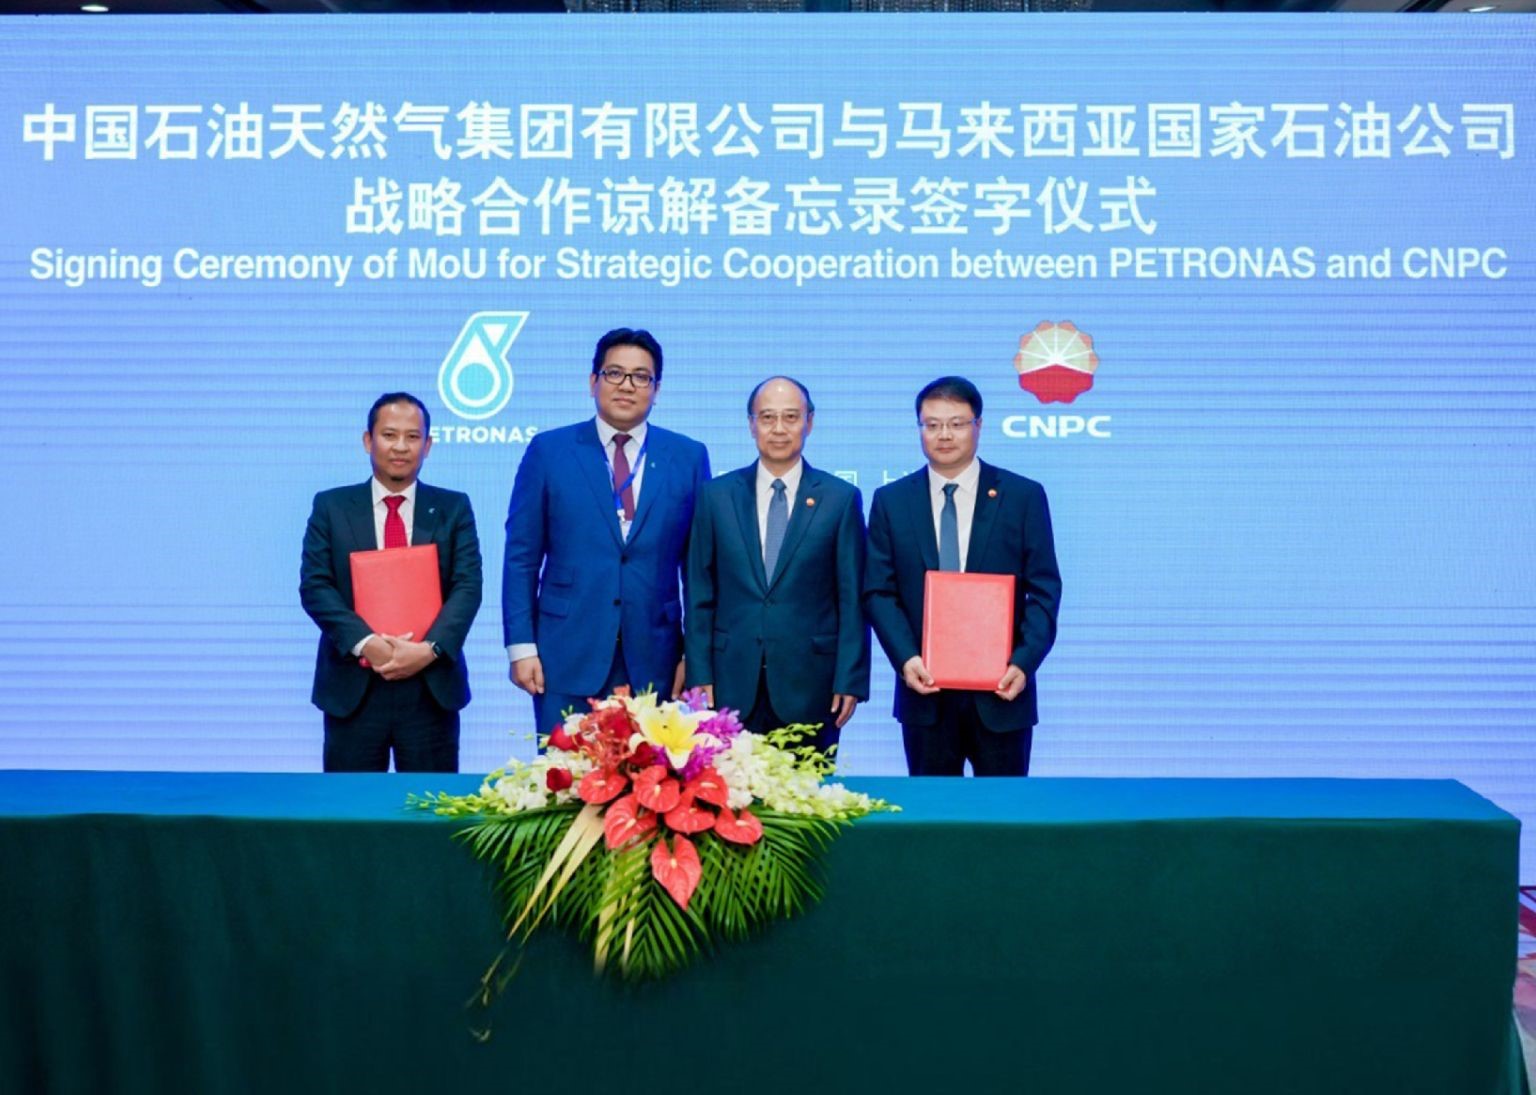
x=475 y=380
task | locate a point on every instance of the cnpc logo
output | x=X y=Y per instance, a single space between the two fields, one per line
x=1056 y=363
x=475 y=380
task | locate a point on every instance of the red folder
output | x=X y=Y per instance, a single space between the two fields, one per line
x=967 y=628
x=397 y=589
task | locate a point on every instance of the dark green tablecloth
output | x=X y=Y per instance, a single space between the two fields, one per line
x=264 y=933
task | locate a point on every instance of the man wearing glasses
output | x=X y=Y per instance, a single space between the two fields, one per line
x=596 y=533
x=959 y=513
x=775 y=565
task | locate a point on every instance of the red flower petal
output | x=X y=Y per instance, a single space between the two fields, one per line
x=557 y=779
x=656 y=790
x=688 y=818
x=601 y=785
x=677 y=869
x=742 y=828
x=708 y=787
x=561 y=740
x=624 y=821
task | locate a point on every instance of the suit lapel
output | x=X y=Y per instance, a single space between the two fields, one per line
x=988 y=498
x=657 y=466
x=427 y=513
x=920 y=517
x=744 y=503
x=593 y=464
x=806 y=500
x=359 y=509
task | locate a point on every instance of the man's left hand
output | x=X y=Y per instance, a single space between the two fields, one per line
x=842 y=709
x=407 y=660
x=1011 y=685
x=677 y=678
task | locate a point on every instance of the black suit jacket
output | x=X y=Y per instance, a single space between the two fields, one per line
x=340 y=523
x=803 y=623
x=1010 y=534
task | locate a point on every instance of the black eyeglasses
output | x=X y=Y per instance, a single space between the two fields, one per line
x=617 y=377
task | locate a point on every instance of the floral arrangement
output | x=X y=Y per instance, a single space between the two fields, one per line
x=655 y=829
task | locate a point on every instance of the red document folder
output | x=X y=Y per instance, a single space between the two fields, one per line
x=397 y=590
x=967 y=628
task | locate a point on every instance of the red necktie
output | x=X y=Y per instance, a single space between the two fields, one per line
x=394 y=526
x=621 y=477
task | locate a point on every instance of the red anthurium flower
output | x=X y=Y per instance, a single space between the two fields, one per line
x=557 y=779
x=601 y=785
x=677 y=868
x=624 y=821
x=656 y=790
x=742 y=828
x=561 y=740
x=644 y=756
x=687 y=817
x=708 y=787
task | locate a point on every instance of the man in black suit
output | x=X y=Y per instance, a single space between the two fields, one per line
x=775 y=565
x=959 y=513
x=391 y=693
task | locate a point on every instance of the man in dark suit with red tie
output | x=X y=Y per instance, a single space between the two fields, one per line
x=384 y=694
x=959 y=513
x=596 y=531
x=775 y=564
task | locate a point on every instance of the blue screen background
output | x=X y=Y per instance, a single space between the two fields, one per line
x=1303 y=547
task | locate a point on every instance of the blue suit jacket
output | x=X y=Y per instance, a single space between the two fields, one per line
x=572 y=584
x=340 y=523
x=803 y=623
x=1010 y=534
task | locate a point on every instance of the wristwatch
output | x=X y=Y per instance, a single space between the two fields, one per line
x=437 y=651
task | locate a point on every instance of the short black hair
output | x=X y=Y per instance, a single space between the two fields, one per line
x=956 y=388
x=399 y=397
x=627 y=336
x=810 y=404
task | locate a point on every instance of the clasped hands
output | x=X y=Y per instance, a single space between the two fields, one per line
x=917 y=678
x=396 y=657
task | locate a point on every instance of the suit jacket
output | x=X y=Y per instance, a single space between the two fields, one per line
x=572 y=584
x=1010 y=534
x=803 y=623
x=340 y=523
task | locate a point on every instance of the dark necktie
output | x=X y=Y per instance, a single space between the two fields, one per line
x=949 y=531
x=778 y=521
x=394 y=525
x=621 y=479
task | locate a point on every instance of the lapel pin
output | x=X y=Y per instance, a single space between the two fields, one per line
x=992 y=493
x=810 y=501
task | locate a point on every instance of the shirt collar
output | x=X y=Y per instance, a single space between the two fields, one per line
x=967 y=480
x=381 y=492
x=606 y=433
x=791 y=478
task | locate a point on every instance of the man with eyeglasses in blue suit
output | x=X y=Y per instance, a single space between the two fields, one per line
x=597 y=530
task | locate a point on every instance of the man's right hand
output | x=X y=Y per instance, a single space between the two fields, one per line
x=915 y=673
x=376 y=651
x=528 y=674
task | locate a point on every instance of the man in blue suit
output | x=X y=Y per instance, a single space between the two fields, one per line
x=959 y=513
x=391 y=693
x=775 y=565
x=596 y=532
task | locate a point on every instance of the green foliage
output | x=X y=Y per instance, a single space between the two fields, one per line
x=614 y=904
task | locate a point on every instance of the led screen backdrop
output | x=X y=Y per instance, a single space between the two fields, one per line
x=1250 y=297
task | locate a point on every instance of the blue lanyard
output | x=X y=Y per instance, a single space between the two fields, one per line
x=620 y=488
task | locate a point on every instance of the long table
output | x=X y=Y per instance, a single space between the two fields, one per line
x=242 y=933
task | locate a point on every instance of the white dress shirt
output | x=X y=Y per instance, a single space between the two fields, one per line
x=765 y=480
x=381 y=511
x=965 y=502
x=606 y=434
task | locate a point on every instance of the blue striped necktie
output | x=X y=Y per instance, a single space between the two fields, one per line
x=949 y=531
x=778 y=521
